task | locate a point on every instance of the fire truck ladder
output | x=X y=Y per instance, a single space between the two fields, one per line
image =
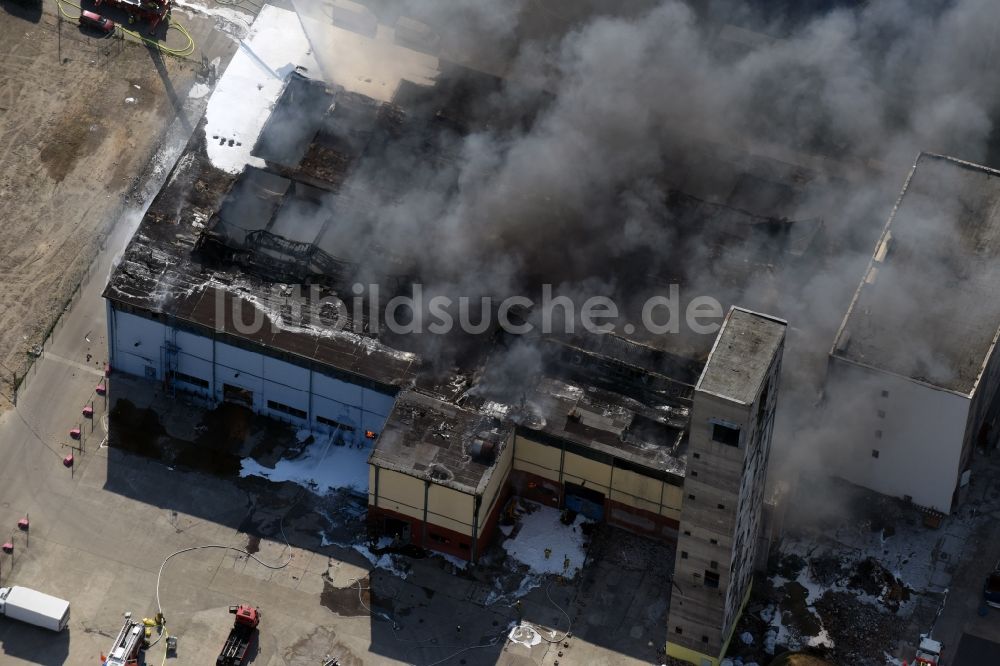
x=125 y=651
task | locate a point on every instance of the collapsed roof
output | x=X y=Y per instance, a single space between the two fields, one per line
x=212 y=239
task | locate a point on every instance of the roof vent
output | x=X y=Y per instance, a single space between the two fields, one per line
x=483 y=450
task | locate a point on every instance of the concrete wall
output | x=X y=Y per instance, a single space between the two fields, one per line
x=983 y=427
x=202 y=366
x=721 y=516
x=916 y=431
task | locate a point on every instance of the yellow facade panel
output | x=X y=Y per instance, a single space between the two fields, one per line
x=673 y=514
x=673 y=496
x=449 y=524
x=403 y=509
x=691 y=656
x=400 y=488
x=637 y=485
x=450 y=503
x=497 y=481
x=533 y=452
x=596 y=474
x=637 y=502
x=538 y=470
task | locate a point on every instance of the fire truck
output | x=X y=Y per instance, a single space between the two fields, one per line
x=151 y=12
x=130 y=642
x=928 y=652
x=241 y=636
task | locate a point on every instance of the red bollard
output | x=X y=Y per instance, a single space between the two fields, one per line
x=88 y=412
x=8 y=548
x=101 y=389
x=23 y=524
x=74 y=433
x=68 y=460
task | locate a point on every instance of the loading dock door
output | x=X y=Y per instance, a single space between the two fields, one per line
x=237 y=395
x=585 y=501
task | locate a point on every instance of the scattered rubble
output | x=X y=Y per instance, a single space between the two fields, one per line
x=853 y=583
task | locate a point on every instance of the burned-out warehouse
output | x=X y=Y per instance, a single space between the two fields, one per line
x=205 y=300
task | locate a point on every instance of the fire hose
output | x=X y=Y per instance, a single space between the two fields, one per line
x=183 y=52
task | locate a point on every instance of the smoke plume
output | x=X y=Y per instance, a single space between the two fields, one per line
x=580 y=167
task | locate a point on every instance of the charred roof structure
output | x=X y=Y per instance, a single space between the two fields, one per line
x=207 y=299
x=441 y=442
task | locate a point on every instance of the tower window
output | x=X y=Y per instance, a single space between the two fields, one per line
x=711 y=578
x=874 y=453
x=725 y=435
x=684 y=555
x=678 y=630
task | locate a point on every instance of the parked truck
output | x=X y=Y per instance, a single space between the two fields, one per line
x=241 y=636
x=929 y=652
x=37 y=608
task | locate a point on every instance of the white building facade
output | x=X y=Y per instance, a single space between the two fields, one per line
x=913 y=375
x=201 y=364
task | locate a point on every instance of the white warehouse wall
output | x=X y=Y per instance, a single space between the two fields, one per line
x=139 y=347
x=917 y=430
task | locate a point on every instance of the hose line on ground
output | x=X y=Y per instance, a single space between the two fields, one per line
x=159 y=574
x=182 y=52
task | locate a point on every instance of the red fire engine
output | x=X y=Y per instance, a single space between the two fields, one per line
x=151 y=12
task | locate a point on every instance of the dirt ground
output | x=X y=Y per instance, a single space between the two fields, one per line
x=80 y=120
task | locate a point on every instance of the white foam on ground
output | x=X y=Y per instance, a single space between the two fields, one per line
x=524 y=634
x=541 y=530
x=199 y=90
x=230 y=21
x=385 y=561
x=322 y=467
x=251 y=84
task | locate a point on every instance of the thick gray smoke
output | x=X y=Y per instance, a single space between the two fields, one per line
x=630 y=109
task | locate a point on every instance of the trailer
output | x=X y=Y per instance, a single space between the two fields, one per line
x=32 y=607
x=241 y=637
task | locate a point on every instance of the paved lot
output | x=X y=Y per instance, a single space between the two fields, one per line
x=80 y=119
x=99 y=535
